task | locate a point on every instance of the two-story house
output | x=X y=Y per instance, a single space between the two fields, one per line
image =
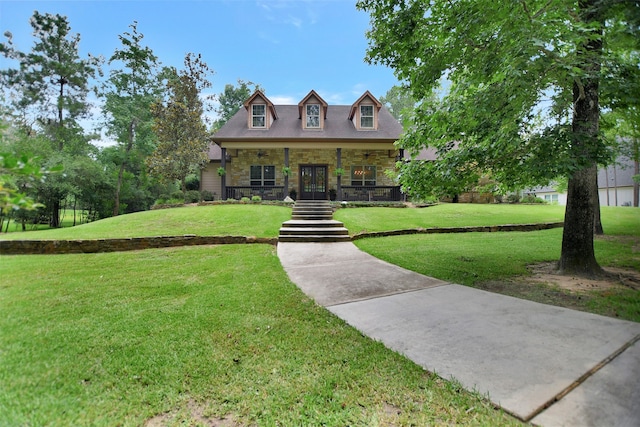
x=312 y=151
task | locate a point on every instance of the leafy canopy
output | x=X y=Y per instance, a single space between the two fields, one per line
x=511 y=67
x=179 y=124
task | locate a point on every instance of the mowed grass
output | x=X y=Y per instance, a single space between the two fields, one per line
x=474 y=259
x=188 y=336
x=214 y=220
x=446 y=215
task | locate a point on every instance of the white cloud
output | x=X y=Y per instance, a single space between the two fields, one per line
x=283 y=100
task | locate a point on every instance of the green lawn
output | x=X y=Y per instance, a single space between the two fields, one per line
x=216 y=220
x=185 y=333
x=179 y=334
x=446 y=215
x=474 y=259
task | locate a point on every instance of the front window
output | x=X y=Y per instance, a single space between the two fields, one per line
x=258 y=116
x=263 y=176
x=366 y=116
x=363 y=175
x=313 y=116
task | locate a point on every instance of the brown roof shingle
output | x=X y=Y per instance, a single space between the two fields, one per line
x=337 y=126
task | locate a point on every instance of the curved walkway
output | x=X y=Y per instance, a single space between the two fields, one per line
x=548 y=365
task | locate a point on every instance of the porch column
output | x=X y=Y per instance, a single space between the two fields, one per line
x=286 y=177
x=339 y=177
x=223 y=178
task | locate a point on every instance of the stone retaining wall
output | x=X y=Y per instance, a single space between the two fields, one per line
x=28 y=247
x=482 y=229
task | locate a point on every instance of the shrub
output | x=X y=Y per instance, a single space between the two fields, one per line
x=530 y=198
x=192 y=196
x=256 y=199
x=245 y=200
x=177 y=195
x=192 y=182
x=513 y=198
x=206 y=195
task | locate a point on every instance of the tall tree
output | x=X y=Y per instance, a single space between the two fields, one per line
x=524 y=102
x=52 y=81
x=129 y=93
x=231 y=100
x=50 y=88
x=179 y=124
x=399 y=102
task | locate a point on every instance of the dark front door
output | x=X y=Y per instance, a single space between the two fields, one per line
x=313 y=182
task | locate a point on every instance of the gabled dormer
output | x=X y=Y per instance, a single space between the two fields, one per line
x=260 y=111
x=312 y=110
x=364 y=112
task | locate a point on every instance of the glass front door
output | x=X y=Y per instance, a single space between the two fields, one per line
x=313 y=182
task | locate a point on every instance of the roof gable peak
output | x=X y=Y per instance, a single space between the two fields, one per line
x=261 y=96
x=311 y=95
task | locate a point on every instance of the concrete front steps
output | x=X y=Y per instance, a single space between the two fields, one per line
x=312 y=221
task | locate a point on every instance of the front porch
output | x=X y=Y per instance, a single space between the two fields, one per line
x=310 y=174
x=350 y=193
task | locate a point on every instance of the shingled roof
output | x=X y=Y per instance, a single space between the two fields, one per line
x=288 y=126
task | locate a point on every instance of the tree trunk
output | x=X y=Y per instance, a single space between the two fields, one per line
x=578 y=256
x=116 y=204
x=55 y=214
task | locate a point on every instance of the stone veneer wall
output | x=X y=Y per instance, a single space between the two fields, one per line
x=29 y=247
x=239 y=167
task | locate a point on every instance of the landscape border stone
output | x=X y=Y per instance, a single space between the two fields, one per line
x=467 y=229
x=56 y=247
x=49 y=247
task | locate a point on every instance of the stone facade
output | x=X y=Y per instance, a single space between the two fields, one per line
x=242 y=160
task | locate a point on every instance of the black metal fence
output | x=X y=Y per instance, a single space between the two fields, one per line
x=266 y=193
x=352 y=193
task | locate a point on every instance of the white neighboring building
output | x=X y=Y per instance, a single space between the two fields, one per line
x=615 y=186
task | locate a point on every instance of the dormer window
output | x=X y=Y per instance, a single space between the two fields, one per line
x=258 y=115
x=366 y=117
x=313 y=116
x=364 y=112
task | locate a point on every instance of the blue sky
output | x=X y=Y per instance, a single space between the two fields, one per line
x=287 y=46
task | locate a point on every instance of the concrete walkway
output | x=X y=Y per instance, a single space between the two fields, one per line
x=547 y=365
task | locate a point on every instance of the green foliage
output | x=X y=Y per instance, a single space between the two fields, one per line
x=48 y=93
x=128 y=94
x=513 y=198
x=399 y=102
x=231 y=100
x=503 y=60
x=524 y=98
x=256 y=198
x=52 y=71
x=192 y=196
x=206 y=196
x=183 y=140
x=530 y=198
x=12 y=168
